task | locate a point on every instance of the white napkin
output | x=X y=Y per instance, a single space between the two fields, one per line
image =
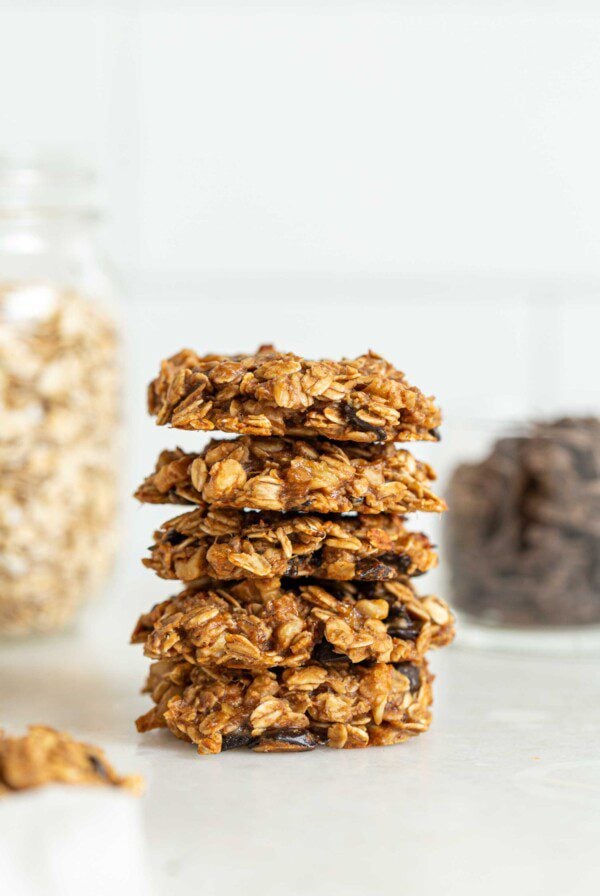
x=62 y=841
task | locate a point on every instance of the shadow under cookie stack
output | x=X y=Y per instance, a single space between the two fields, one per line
x=299 y=624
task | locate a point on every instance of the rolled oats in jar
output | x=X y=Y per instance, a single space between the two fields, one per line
x=59 y=398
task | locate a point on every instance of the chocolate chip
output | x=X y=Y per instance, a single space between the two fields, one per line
x=374 y=570
x=317 y=557
x=435 y=434
x=412 y=672
x=362 y=425
x=98 y=766
x=323 y=652
x=410 y=633
x=402 y=625
x=174 y=538
x=401 y=562
x=294 y=740
x=320 y=736
x=386 y=566
x=235 y=739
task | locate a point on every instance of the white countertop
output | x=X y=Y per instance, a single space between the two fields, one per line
x=502 y=795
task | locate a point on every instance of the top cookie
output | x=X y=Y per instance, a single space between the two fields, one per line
x=276 y=393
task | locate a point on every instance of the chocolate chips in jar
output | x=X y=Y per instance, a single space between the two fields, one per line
x=523 y=532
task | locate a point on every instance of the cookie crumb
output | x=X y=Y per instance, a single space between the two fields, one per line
x=46 y=756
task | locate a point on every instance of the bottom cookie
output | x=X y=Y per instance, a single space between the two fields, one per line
x=332 y=703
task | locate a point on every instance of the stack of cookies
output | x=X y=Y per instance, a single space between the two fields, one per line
x=299 y=623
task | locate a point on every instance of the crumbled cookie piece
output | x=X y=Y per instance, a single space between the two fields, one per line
x=45 y=756
x=258 y=624
x=275 y=394
x=293 y=474
x=338 y=705
x=234 y=544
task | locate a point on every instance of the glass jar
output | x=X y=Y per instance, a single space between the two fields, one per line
x=59 y=400
x=521 y=538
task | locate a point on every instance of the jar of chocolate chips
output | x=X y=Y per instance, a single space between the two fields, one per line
x=59 y=387
x=522 y=535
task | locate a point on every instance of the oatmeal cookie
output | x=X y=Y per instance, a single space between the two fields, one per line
x=275 y=394
x=235 y=544
x=258 y=624
x=338 y=705
x=293 y=474
x=45 y=756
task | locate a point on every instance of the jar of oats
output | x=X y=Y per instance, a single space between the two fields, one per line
x=59 y=391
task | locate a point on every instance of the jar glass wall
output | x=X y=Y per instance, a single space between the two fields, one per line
x=59 y=400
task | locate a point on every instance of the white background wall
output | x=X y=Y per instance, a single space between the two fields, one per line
x=421 y=178
x=321 y=136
